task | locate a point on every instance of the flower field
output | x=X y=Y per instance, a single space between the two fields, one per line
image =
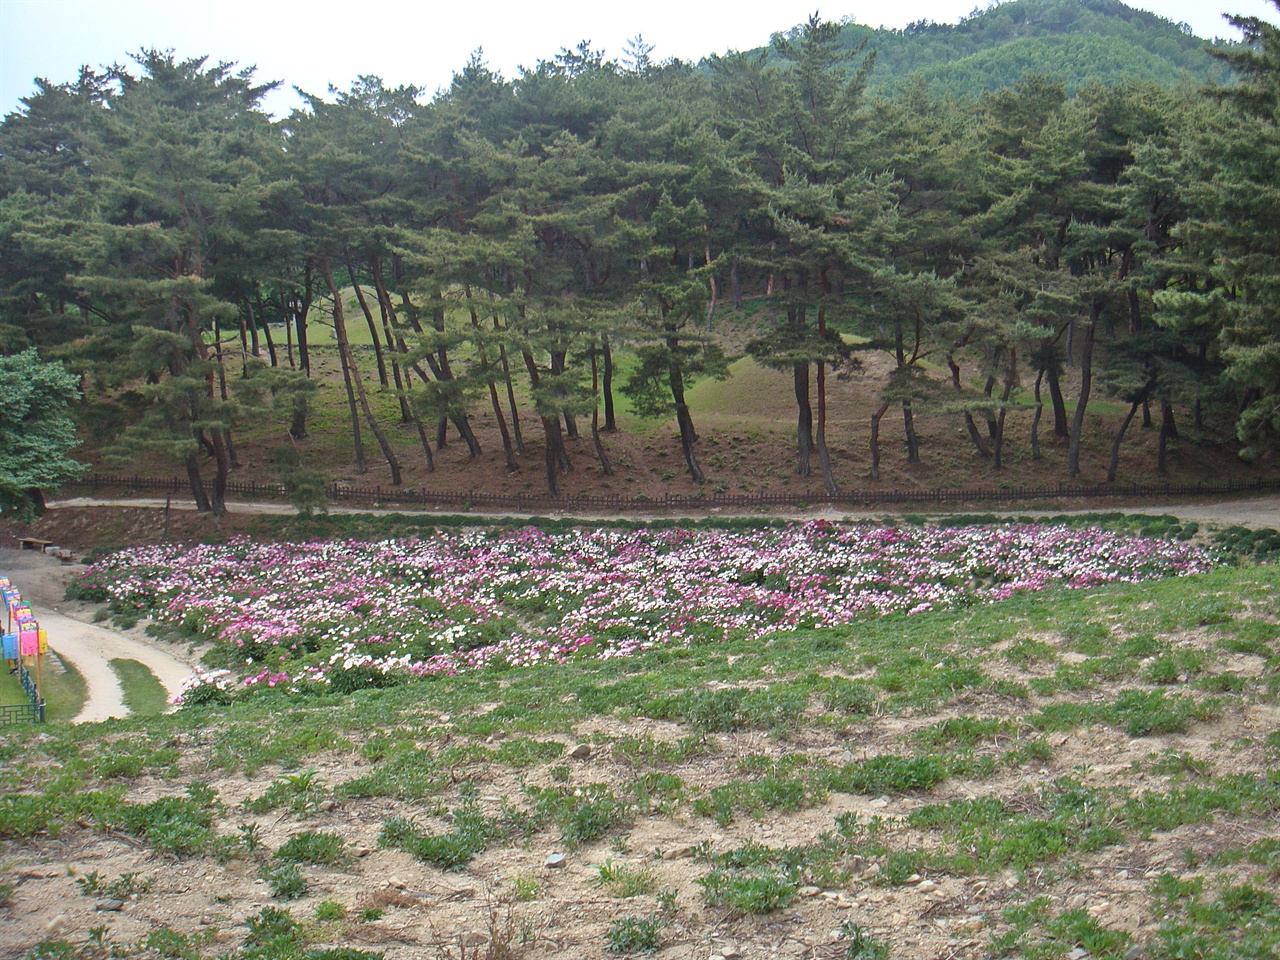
x=342 y=615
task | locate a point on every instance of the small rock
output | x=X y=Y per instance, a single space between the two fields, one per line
x=396 y=883
x=879 y=803
x=809 y=891
x=914 y=878
x=678 y=853
x=328 y=806
x=730 y=953
x=1079 y=953
x=555 y=862
x=581 y=752
x=361 y=852
x=57 y=926
x=207 y=921
x=109 y=905
x=926 y=886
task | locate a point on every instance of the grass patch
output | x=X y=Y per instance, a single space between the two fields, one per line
x=143 y=693
x=62 y=686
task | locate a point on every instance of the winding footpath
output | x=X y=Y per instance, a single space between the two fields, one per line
x=91 y=648
x=85 y=645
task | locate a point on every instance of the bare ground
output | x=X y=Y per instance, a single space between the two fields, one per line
x=472 y=913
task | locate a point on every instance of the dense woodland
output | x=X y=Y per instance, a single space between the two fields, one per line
x=503 y=243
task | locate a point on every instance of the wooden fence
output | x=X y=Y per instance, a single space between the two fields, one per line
x=472 y=500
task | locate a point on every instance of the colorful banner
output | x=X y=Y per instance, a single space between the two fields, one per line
x=11 y=646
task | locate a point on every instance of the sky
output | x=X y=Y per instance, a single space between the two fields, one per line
x=313 y=44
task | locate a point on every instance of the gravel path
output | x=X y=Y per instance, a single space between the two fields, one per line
x=88 y=647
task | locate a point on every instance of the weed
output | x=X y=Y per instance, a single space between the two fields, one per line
x=760 y=890
x=635 y=935
x=301 y=793
x=328 y=849
x=527 y=889
x=93 y=884
x=862 y=946
x=625 y=880
x=269 y=924
x=285 y=882
x=330 y=910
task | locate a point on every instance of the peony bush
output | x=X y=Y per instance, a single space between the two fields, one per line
x=342 y=615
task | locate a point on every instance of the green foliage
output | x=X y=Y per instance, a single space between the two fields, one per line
x=631 y=935
x=285 y=882
x=36 y=431
x=93 y=884
x=626 y=880
x=328 y=849
x=758 y=890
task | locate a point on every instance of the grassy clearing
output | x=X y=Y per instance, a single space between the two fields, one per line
x=1058 y=772
x=143 y=693
x=63 y=688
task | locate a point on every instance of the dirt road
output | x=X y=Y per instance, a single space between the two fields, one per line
x=76 y=640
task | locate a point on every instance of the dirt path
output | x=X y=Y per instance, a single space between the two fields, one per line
x=88 y=647
x=1256 y=512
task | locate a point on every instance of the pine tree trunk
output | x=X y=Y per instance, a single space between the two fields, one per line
x=974 y=435
x=804 y=419
x=1162 y=443
x=1114 y=466
x=554 y=453
x=875 y=441
x=1060 y=428
x=396 y=344
x=1086 y=385
x=557 y=369
x=1035 y=422
x=507 y=452
x=373 y=330
x=997 y=445
x=675 y=378
x=222 y=466
x=198 y=492
x=300 y=321
x=516 y=432
x=348 y=374
x=909 y=429
x=610 y=422
x=605 y=467
x=824 y=453
x=271 y=343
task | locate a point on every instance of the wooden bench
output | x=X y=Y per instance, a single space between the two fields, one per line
x=34 y=543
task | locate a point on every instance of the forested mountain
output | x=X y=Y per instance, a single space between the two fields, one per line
x=519 y=249
x=1072 y=42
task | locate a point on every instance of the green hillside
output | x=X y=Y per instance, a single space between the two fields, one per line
x=1074 y=42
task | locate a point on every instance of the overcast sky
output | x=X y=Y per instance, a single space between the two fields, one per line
x=315 y=43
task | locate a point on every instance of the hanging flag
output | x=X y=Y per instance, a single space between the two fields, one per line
x=29 y=643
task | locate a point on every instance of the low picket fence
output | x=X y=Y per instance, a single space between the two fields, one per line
x=480 y=502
